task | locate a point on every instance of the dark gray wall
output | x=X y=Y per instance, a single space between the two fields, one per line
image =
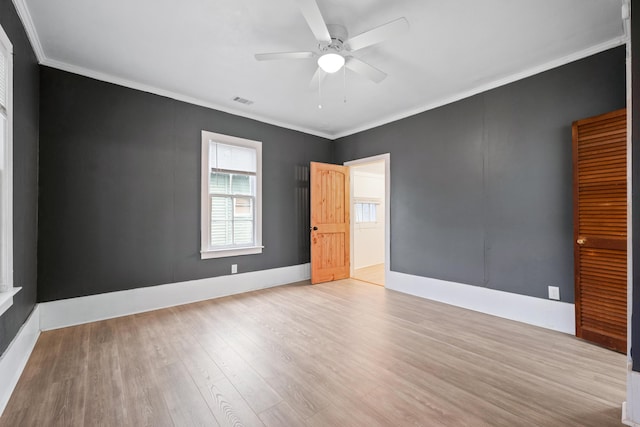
x=120 y=189
x=25 y=173
x=481 y=189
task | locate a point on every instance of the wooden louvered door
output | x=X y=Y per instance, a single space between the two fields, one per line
x=600 y=229
x=329 y=222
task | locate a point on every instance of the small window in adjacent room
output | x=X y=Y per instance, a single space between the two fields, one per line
x=231 y=196
x=6 y=171
x=366 y=212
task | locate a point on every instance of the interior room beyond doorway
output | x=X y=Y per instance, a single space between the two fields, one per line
x=368 y=221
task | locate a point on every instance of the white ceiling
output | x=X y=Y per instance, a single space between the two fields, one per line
x=202 y=51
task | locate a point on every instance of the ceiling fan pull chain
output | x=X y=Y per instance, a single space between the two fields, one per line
x=319 y=91
x=344 y=80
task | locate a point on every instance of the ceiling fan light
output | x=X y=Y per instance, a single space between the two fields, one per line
x=331 y=62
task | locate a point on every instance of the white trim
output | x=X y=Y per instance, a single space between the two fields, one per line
x=30 y=28
x=222 y=253
x=631 y=408
x=486 y=87
x=120 y=81
x=6 y=299
x=555 y=315
x=387 y=210
x=6 y=187
x=15 y=358
x=76 y=311
x=33 y=36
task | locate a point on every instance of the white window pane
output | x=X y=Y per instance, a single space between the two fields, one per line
x=221 y=233
x=358 y=212
x=242 y=207
x=221 y=221
x=241 y=184
x=365 y=212
x=231 y=157
x=243 y=232
x=220 y=208
x=219 y=183
x=373 y=213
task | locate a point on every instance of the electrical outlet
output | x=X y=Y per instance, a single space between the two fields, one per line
x=234 y=269
x=554 y=292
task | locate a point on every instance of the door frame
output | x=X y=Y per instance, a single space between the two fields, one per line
x=387 y=210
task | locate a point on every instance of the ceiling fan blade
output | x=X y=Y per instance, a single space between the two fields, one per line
x=311 y=13
x=318 y=75
x=365 y=69
x=378 y=34
x=284 y=55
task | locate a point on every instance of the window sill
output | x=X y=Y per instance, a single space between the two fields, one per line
x=222 y=253
x=6 y=299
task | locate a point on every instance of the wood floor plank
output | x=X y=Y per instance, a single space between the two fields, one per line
x=229 y=408
x=186 y=405
x=381 y=356
x=281 y=415
x=104 y=400
x=253 y=388
x=68 y=402
x=37 y=374
x=73 y=355
x=144 y=401
x=373 y=274
x=342 y=353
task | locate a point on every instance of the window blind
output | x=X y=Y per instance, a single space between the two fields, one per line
x=224 y=157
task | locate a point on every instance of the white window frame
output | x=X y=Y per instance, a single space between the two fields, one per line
x=6 y=210
x=206 y=251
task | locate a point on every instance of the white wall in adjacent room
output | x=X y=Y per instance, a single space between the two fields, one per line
x=368 y=187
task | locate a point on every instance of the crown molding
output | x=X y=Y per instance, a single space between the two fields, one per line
x=27 y=21
x=30 y=28
x=488 y=86
x=32 y=34
x=97 y=75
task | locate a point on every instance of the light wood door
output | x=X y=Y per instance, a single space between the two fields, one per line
x=329 y=222
x=600 y=229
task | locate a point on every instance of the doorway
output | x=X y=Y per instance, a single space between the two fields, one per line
x=600 y=229
x=369 y=228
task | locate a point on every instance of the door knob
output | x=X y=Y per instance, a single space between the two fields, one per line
x=314 y=229
x=581 y=241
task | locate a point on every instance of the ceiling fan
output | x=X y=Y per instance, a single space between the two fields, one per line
x=335 y=47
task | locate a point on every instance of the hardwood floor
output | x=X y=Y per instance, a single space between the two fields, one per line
x=373 y=274
x=336 y=354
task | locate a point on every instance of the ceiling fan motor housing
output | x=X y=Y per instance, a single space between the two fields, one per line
x=338 y=37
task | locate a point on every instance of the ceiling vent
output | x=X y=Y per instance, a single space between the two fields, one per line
x=242 y=100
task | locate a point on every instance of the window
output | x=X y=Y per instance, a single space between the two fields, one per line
x=366 y=212
x=231 y=196
x=6 y=172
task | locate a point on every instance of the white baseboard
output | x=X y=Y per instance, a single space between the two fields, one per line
x=76 y=311
x=556 y=315
x=16 y=356
x=631 y=408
